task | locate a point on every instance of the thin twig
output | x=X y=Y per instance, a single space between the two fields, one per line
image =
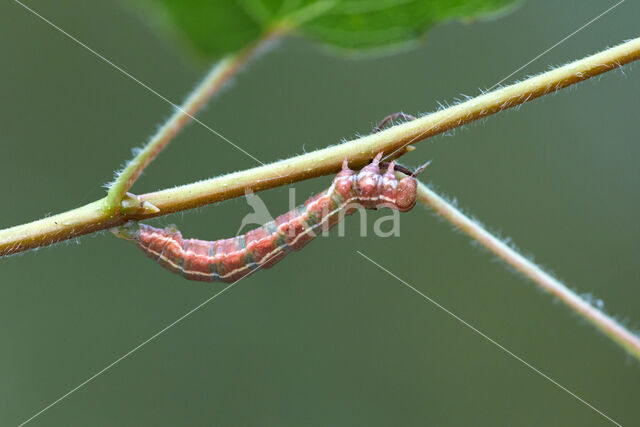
x=393 y=142
x=600 y=320
x=215 y=80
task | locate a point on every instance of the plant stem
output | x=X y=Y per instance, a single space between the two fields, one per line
x=215 y=80
x=392 y=141
x=600 y=320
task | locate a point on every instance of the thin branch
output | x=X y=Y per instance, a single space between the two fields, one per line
x=393 y=142
x=600 y=320
x=215 y=80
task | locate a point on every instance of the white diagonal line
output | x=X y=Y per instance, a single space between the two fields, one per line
x=150 y=89
x=491 y=340
x=160 y=332
x=506 y=77
x=561 y=41
x=110 y=365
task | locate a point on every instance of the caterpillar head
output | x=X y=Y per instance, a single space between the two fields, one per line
x=406 y=193
x=407 y=189
x=127 y=231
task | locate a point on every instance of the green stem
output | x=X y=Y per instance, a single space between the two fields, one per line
x=544 y=280
x=219 y=75
x=393 y=142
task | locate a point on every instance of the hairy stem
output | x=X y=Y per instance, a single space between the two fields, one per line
x=600 y=320
x=215 y=80
x=393 y=142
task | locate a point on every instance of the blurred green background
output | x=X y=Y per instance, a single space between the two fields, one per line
x=325 y=338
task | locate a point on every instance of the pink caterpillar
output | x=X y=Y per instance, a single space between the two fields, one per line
x=228 y=260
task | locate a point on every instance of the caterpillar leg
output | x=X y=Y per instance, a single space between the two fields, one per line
x=390 y=165
x=391 y=118
x=395 y=167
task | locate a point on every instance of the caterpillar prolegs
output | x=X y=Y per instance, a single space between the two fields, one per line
x=228 y=260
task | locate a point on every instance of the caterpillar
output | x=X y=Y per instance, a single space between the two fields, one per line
x=228 y=260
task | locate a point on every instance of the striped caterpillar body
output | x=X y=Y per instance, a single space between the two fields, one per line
x=228 y=260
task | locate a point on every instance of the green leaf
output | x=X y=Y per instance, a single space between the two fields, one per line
x=217 y=27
